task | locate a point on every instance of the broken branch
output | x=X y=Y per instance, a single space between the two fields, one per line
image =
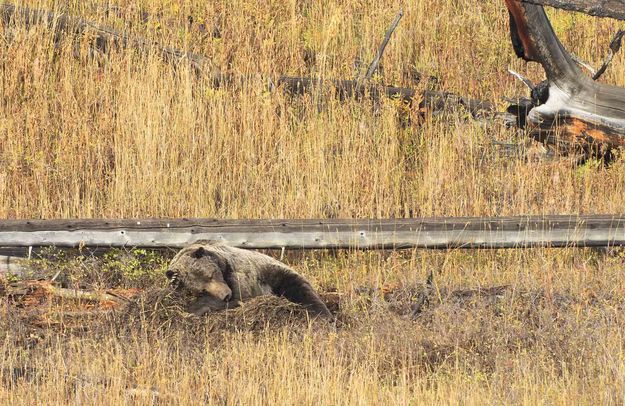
x=78 y=294
x=387 y=37
x=615 y=47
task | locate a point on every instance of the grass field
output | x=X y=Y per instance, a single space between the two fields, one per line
x=126 y=135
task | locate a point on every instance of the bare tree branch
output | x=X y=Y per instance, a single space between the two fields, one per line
x=615 y=47
x=387 y=38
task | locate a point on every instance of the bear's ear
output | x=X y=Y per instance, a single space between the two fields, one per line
x=199 y=253
x=202 y=252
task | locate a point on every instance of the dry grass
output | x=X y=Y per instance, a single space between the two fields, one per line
x=554 y=335
x=126 y=135
x=129 y=136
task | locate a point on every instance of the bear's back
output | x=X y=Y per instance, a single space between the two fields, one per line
x=243 y=260
x=248 y=270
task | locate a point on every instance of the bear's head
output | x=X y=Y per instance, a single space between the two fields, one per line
x=200 y=271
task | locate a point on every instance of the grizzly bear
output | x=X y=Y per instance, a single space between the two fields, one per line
x=222 y=277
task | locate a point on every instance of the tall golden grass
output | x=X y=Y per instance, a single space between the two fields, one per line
x=125 y=135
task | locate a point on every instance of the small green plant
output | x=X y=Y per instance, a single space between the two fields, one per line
x=11 y=278
x=135 y=266
x=115 y=268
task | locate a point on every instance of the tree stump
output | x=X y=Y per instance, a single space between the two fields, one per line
x=569 y=109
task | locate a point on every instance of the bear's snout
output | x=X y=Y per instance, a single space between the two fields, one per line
x=220 y=290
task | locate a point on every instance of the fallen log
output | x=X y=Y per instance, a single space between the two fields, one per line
x=104 y=39
x=597 y=8
x=79 y=294
x=32 y=294
x=433 y=233
x=43 y=288
x=568 y=109
x=435 y=101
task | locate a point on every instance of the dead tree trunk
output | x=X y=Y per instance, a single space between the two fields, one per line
x=597 y=8
x=568 y=109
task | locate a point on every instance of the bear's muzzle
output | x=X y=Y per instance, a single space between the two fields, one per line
x=219 y=290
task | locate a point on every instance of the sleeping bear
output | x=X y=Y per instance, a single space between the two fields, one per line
x=222 y=277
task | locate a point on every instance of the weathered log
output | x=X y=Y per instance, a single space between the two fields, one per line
x=79 y=294
x=437 y=233
x=568 y=109
x=39 y=289
x=106 y=38
x=597 y=8
x=347 y=89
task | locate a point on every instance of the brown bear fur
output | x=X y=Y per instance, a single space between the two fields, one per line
x=222 y=277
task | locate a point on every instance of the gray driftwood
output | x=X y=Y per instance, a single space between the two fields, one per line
x=568 y=109
x=504 y=232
